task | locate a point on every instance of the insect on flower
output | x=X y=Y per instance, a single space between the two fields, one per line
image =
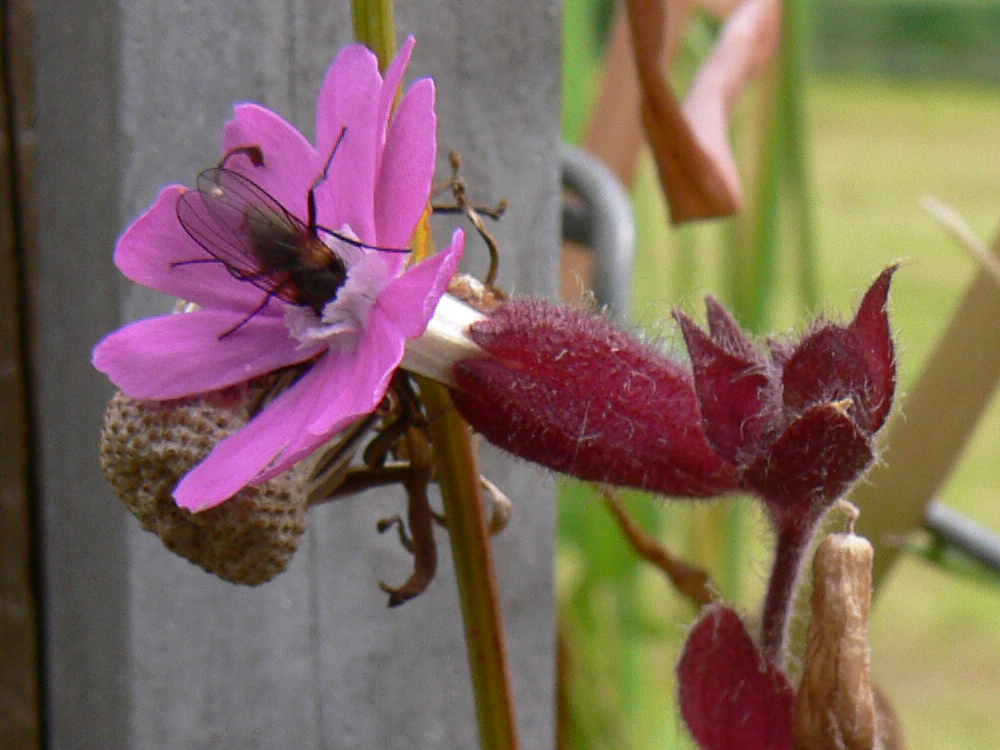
x=258 y=240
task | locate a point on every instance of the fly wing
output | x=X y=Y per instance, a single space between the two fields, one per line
x=228 y=214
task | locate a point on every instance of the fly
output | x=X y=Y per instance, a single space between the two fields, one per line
x=258 y=240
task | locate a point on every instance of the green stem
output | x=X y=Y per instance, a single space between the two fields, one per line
x=375 y=26
x=474 y=570
x=462 y=495
x=792 y=119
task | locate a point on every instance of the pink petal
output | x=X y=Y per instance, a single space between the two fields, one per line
x=291 y=164
x=174 y=356
x=367 y=369
x=149 y=249
x=730 y=695
x=409 y=300
x=240 y=458
x=349 y=99
x=390 y=88
x=342 y=387
x=404 y=183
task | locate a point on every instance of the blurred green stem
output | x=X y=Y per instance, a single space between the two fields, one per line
x=791 y=120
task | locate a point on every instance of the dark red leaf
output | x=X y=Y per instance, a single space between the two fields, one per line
x=727 y=333
x=810 y=465
x=731 y=697
x=857 y=362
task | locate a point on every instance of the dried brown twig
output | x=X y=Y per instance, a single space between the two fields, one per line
x=690 y=581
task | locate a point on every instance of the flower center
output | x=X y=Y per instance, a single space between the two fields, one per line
x=344 y=318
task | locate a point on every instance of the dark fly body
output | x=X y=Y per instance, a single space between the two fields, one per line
x=242 y=226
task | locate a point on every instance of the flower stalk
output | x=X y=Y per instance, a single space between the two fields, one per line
x=375 y=26
x=474 y=570
x=462 y=495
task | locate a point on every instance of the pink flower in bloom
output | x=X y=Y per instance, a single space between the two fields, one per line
x=375 y=190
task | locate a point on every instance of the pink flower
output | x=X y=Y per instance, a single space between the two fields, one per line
x=375 y=190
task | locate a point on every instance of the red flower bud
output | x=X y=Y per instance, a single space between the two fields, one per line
x=798 y=420
x=567 y=390
x=793 y=424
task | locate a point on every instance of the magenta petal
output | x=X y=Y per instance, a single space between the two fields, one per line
x=390 y=86
x=731 y=697
x=149 y=248
x=732 y=393
x=348 y=102
x=368 y=369
x=174 y=356
x=239 y=459
x=409 y=300
x=291 y=164
x=330 y=406
x=404 y=182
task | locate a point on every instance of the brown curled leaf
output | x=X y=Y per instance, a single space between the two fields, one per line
x=694 y=185
x=747 y=43
x=691 y=143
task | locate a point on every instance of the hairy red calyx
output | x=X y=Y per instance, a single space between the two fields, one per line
x=567 y=390
x=793 y=424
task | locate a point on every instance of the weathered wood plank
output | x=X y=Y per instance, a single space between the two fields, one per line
x=20 y=718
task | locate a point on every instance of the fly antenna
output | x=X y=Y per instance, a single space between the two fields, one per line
x=311 y=198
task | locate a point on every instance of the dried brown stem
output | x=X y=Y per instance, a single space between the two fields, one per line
x=420 y=520
x=474 y=214
x=692 y=582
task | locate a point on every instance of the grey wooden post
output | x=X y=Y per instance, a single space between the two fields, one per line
x=142 y=649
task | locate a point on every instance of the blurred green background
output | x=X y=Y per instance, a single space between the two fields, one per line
x=898 y=100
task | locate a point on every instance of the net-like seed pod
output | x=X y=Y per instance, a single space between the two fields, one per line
x=148 y=446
